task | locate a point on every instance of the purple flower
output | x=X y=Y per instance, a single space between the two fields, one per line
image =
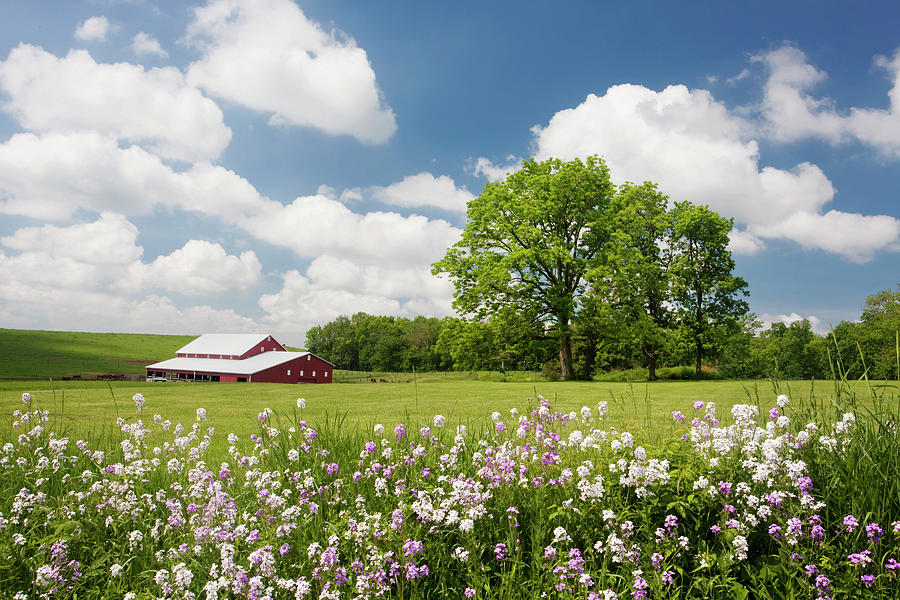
x=284 y=549
x=668 y=578
x=873 y=531
x=774 y=414
x=370 y=447
x=850 y=523
x=892 y=564
x=715 y=529
x=413 y=547
x=811 y=569
x=867 y=579
x=725 y=488
x=698 y=405
x=678 y=416
x=469 y=593
x=823 y=583
x=400 y=432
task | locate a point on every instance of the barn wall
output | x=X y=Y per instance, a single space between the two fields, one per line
x=267 y=345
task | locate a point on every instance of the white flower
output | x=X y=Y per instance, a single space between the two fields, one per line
x=576 y=437
x=782 y=400
x=560 y=535
x=301 y=403
x=379 y=429
x=466 y=525
x=116 y=570
x=201 y=414
x=439 y=420
x=740 y=546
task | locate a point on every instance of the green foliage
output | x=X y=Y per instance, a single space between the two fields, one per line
x=706 y=293
x=529 y=242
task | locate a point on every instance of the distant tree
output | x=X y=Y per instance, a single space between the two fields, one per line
x=421 y=334
x=793 y=351
x=706 y=294
x=529 y=242
x=869 y=347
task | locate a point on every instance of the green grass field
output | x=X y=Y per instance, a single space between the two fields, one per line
x=58 y=354
x=84 y=408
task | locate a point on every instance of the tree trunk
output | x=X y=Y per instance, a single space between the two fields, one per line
x=652 y=367
x=698 y=362
x=565 y=356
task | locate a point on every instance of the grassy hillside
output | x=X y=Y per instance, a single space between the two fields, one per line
x=57 y=354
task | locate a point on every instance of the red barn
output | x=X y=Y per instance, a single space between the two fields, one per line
x=242 y=357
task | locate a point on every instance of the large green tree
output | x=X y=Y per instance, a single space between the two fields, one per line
x=706 y=294
x=634 y=274
x=528 y=243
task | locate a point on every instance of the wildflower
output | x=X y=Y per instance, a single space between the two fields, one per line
x=782 y=400
x=698 y=405
x=116 y=570
x=26 y=399
x=139 y=402
x=201 y=414
x=400 y=432
x=873 y=531
x=740 y=546
x=850 y=523
x=678 y=416
x=379 y=429
x=668 y=578
x=501 y=552
x=439 y=420
x=868 y=580
x=301 y=403
x=892 y=564
x=469 y=593
x=861 y=558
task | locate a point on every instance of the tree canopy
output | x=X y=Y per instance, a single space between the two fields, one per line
x=529 y=242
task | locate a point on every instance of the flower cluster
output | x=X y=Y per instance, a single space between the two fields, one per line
x=543 y=503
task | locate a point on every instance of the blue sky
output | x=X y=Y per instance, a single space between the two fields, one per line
x=238 y=165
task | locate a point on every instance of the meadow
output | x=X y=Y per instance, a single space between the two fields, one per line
x=85 y=407
x=443 y=487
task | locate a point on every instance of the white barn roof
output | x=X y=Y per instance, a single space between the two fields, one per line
x=225 y=344
x=248 y=366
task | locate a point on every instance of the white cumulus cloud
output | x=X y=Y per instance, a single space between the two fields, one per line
x=93 y=29
x=793 y=112
x=156 y=108
x=267 y=55
x=698 y=150
x=144 y=43
x=424 y=189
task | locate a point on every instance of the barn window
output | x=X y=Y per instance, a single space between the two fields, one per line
x=262 y=348
x=289 y=371
x=314 y=373
x=326 y=373
x=301 y=373
x=309 y=357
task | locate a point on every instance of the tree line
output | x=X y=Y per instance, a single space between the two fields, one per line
x=560 y=270
x=364 y=342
